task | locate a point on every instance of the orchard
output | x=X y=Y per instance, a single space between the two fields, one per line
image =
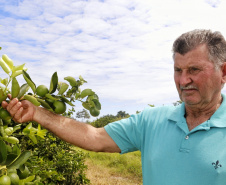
x=16 y=159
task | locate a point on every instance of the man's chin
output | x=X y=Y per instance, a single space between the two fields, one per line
x=190 y=101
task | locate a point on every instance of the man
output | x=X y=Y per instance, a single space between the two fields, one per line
x=182 y=145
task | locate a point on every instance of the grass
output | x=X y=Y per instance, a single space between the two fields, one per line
x=107 y=168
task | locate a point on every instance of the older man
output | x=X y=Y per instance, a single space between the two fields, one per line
x=182 y=145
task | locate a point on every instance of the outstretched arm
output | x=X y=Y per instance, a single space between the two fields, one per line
x=79 y=134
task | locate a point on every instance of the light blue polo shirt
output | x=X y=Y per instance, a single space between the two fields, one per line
x=171 y=154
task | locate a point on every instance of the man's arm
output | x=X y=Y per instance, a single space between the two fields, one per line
x=79 y=134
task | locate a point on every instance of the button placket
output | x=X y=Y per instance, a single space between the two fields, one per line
x=185 y=144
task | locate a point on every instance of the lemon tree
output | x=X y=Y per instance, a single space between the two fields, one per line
x=56 y=98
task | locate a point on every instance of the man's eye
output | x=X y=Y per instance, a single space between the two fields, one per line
x=177 y=70
x=193 y=69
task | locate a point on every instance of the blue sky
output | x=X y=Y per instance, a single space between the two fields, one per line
x=121 y=47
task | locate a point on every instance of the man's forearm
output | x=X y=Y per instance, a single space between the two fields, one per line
x=79 y=134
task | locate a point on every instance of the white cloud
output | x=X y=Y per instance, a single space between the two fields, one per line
x=122 y=47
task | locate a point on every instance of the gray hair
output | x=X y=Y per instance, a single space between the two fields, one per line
x=214 y=41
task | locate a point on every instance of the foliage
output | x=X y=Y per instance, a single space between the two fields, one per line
x=55 y=162
x=19 y=141
x=104 y=120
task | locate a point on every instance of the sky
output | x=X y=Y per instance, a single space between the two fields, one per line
x=122 y=48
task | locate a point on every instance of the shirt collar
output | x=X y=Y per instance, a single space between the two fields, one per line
x=218 y=119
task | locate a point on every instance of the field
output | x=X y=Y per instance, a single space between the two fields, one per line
x=114 y=169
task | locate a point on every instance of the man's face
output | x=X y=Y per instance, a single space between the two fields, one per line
x=197 y=80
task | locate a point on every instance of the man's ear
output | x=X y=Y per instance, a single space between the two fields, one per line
x=223 y=68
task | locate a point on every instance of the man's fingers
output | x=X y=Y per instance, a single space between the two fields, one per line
x=13 y=106
x=4 y=104
x=18 y=116
x=9 y=96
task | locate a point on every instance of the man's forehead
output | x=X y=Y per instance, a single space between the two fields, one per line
x=198 y=57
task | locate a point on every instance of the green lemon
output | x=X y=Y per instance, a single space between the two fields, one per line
x=94 y=112
x=13 y=170
x=5 y=180
x=59 y=107
x=6 y=122
x=4 y=114
x=23 y=174
x=42 y=90
x=14 y=178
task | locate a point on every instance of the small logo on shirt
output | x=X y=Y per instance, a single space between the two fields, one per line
x=216 y=164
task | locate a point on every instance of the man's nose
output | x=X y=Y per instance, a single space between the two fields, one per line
x=185 y=79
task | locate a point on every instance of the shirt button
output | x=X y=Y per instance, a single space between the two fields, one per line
x=187 y=137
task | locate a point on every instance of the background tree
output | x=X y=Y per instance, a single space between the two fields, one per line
x=104 y=120
x=83 y=114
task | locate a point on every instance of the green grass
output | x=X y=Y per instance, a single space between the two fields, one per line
x=128 y=165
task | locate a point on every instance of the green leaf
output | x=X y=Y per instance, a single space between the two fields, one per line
x=23 y=89
x=17 y=127
x=86 y=92
x=29 y=179
x=32 y=99
x=97 y=104
x=29 y=81
x=8 y=61
x=15 y=89
x=53 y=83
x=19 y=67
x=27 y=129
x=51 y=97
x=20 y=160
x=2 y=96
x=62 y=88
x=33 y=138
x=10 y=158
x=4 y=66
x=41 y=132
x=71 y=80
x=4 y=81
x=3 y=151
x=16 y=149
x=44 y=104
x=66 y=101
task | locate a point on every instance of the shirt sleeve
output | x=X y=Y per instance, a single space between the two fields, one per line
x=127 y=133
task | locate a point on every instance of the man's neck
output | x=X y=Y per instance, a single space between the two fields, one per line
x=196 y=115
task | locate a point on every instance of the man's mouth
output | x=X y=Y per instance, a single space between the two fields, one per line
x=188 y=88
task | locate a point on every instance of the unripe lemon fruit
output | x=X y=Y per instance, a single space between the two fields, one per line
x=14 y=178
x=5 y=180
x=94 y=112
x=42 y=90
x=4 y=114
x=59 y=107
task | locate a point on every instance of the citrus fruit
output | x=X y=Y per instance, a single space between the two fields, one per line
x=59 y=107
x=5 y=180
x=14 y=178
x=13 y=170
x=4 y=114
x=42 y=90
x=6 y=122
x=23 y=174
x=94 y=112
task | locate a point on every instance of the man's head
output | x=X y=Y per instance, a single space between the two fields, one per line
x=214 y=41
x=199 y=66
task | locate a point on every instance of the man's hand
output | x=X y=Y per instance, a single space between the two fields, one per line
x=20 y=111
